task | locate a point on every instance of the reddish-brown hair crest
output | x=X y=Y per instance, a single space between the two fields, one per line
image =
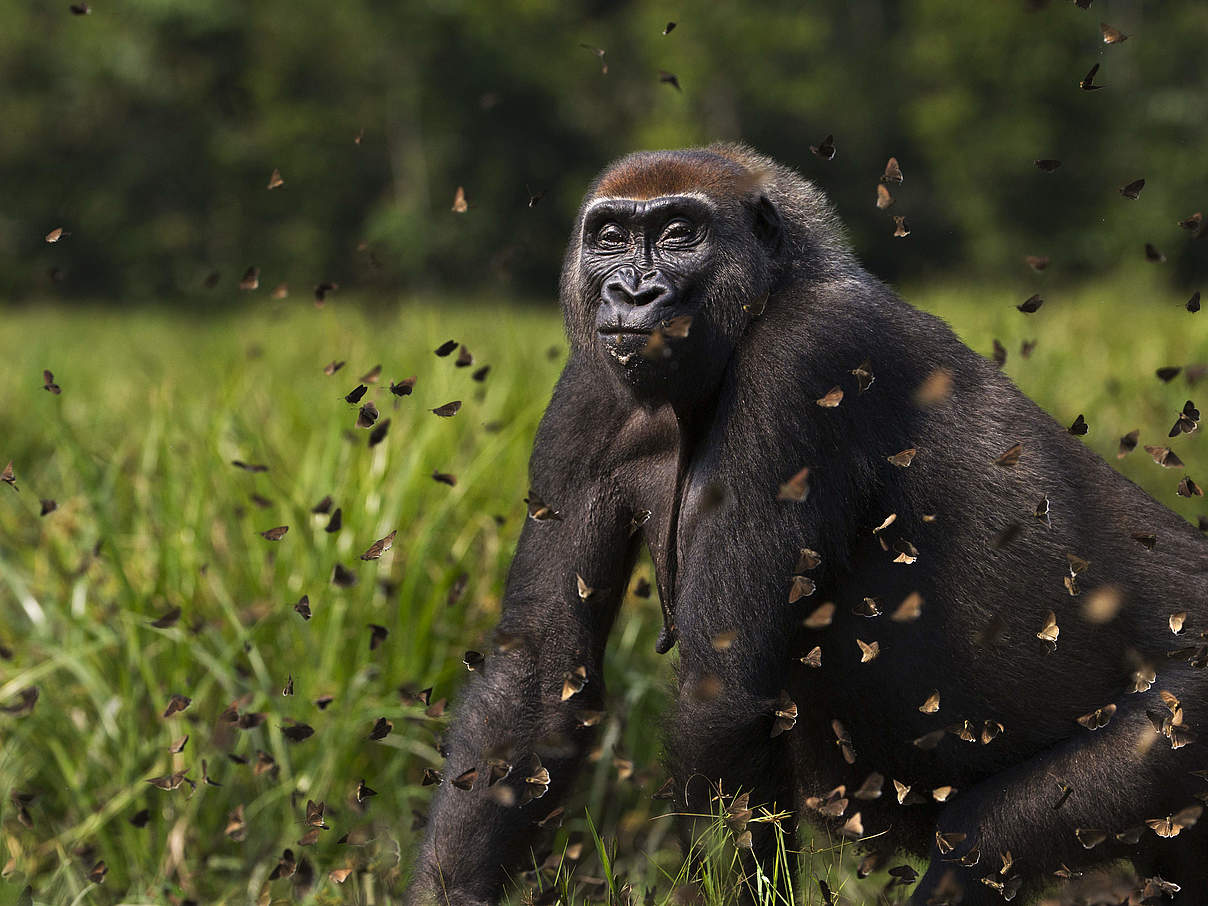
x=651 y=174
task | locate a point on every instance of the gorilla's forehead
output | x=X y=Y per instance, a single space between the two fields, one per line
x=639 y=208
x=652 y=174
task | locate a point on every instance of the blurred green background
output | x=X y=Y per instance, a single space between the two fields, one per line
x=148 y=129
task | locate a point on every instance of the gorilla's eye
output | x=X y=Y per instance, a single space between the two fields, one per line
x=678 y=232
x=611 y=236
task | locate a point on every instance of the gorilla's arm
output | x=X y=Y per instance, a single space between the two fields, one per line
x=1117 y=775
x=513 y=710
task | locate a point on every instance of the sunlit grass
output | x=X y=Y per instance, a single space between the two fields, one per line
x=137 y=454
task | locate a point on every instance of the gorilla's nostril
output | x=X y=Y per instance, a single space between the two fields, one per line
x=637 y=292
x=648 y=295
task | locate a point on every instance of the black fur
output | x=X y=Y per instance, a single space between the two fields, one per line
x=703 y=439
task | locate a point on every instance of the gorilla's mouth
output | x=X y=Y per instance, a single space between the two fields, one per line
x=614 y=330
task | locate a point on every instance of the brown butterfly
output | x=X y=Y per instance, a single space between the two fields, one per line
x=250 y=279
x=460 y=206
x=868 y=650
x=795 y=488
x=1188 y=488
x=785 y=714
x=1088 y=80
x=1049 y=631
x=171 y=782
x=448 y=410
x=821 y=617
x=1037 y=262
x=599 y=52
x=1112 y=35
x=48 y=383
x=167 y=620
x=1133 y=189
x=863 y=374
x=809 y=559
x=298 y=732
x=1031 y=305
x=321 y=291
x=377 y=635
x=903 y=459
x=573 y=682
x=825 y=149
x=1188 y=420
x=1009 y=457
x=1042 y=512
x=367 y=415
x=909 y=610
x=275 y=534
x=539 y=510
x=1164 y=457
x=1128 y=443
x=1000 y=353
x=1173 y=825
x=843 y=741
x=1079 y=427
x=946 y=843
x=833 y=397
x=378 y=434
x=237 y=463
x=1099 y=718
x=336 y=522
x=379 y=547
x=1147 y=540
x=884 y=199
x=901 y=229
x=893 y=171
x=801 y=587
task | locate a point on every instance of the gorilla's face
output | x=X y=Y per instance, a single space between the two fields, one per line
x=666 y=278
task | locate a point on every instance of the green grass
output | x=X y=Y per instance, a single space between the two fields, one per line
x=136 y=452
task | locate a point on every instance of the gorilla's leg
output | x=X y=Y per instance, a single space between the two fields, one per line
x=1121 y=776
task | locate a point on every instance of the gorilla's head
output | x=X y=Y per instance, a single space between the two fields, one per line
x=674 y=254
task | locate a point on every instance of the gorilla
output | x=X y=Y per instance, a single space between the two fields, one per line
x=907 y=603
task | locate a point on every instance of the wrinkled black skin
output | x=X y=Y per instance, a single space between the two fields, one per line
x=732 y=410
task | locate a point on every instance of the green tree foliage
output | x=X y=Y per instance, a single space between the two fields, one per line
x=148 y=130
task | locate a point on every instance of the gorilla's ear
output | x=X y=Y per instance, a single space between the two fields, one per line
x=769 y=229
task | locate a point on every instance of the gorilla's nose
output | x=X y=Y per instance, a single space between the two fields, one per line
x=626 y=287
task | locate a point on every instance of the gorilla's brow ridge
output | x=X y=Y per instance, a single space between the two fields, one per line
x=609 y=199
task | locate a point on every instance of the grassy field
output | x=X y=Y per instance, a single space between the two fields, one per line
x=152 y=516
